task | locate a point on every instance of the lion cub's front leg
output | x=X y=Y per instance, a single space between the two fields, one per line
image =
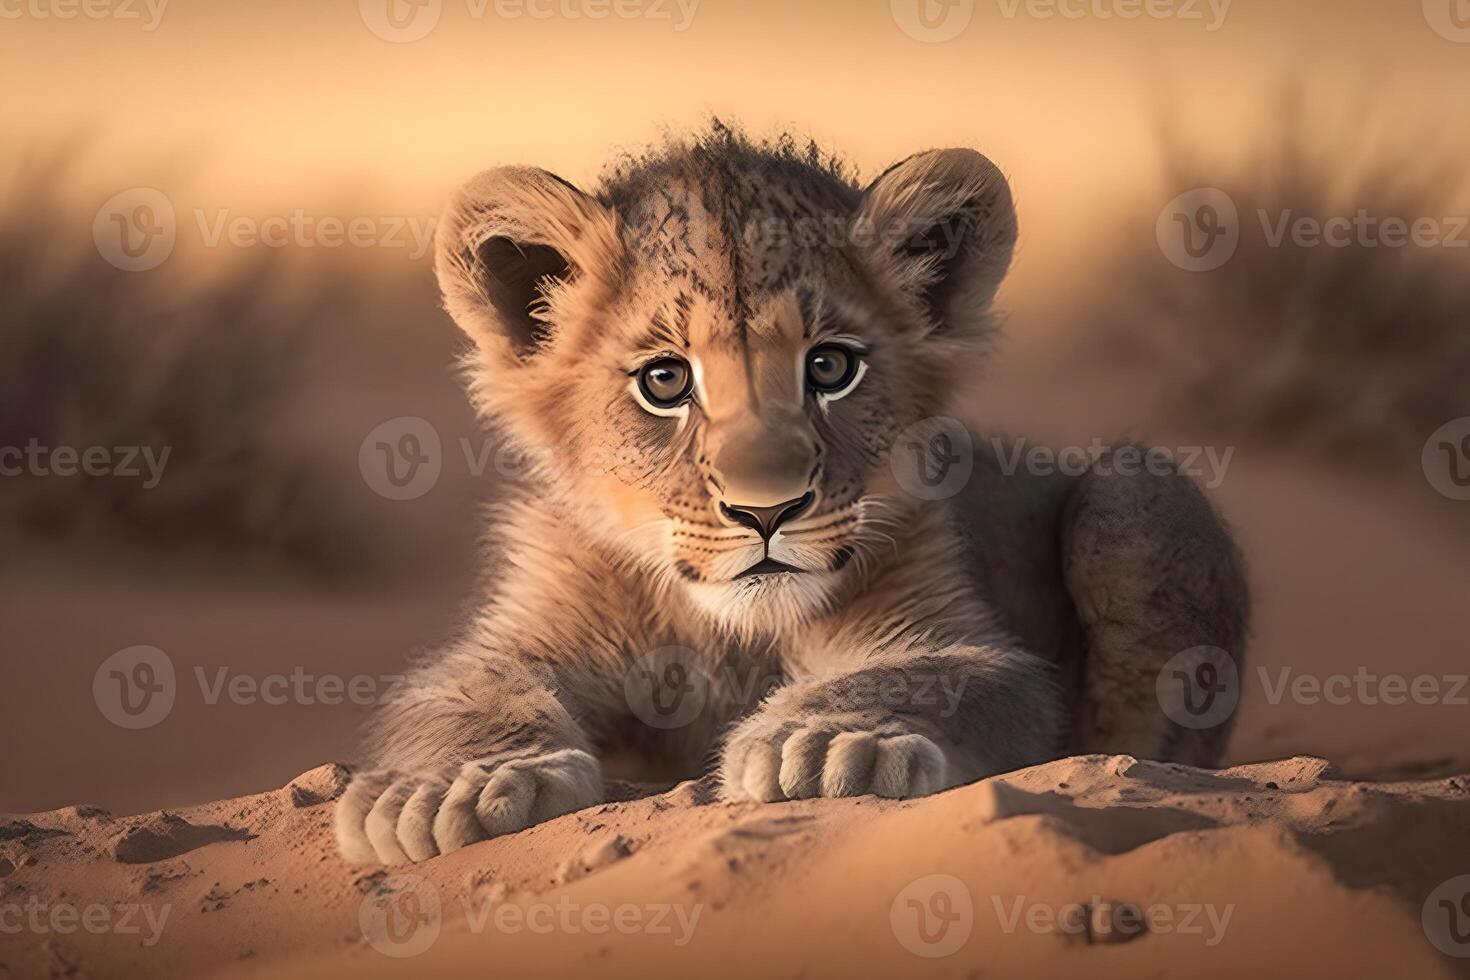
x=898 y=726
x=475 y=747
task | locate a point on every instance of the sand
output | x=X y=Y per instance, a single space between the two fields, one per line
x=1098 y=865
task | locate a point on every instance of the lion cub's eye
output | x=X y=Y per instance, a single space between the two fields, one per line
x=665 y=382
x=831 y=367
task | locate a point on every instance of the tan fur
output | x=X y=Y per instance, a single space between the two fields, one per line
x=922 y=644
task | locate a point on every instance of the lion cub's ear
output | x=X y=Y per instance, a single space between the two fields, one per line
x=940 y=226
x=509 y=241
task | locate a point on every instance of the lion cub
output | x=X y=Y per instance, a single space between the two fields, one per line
x=752 y=539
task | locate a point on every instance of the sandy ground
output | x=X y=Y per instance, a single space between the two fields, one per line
x=1099 y=865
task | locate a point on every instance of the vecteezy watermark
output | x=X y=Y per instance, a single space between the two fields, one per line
x=1102 y=920
x=98 y=918
x=934 y=458
x=933 y=916
x=123 y=462
x=1199 y=688
x=1363 y=229
x=566 y=917
x=402 y=458
x=1200 y=230
x=1450 y=19
x=138 y=229
x=298 y=687
x=671 y=686
x=1446 y=459
x=667 y=688
x=838 y=231
x=137 y=687
x=1205 y=463
x=937 y=21
x=148 y=13
x=404 y=915
x=932 y=21
x=1364 y=687
x=405 y=21
x=412 y=233
x=1446 y=917
x=1210 y=14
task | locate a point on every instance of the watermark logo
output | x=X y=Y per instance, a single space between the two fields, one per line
x=672 y=686
x=298 y=687
x=404 y=21
x=676 y=921
x=400 y=21
x=1104 y=921
x=932 y=21
x=411 y=234
x=144 y=921
x=135 y=687
x=138 y=687
x=402 y=917
x=149 y=13
x=1210 y=14
x=1364 y=687
x=667 y=688
x=136 y=230
x=933 y=458
x=1446 y=917
x=1199 y=230
x=402 y=458
x=1204 y=463
x=836 y=230
x=1450 y=19
x=933 y=916
x=1362 y=229
x=1446 y=459
x=144 y=463
x=1199 y=688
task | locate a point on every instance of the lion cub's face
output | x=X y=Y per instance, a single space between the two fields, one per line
x=717 y=353
x=744 y=450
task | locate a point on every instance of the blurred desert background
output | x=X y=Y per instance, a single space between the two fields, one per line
x=264 y=549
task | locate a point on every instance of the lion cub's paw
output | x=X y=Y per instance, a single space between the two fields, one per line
x=392 y=817
x=793 y=762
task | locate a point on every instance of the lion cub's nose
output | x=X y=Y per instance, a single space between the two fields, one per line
x=765 y=520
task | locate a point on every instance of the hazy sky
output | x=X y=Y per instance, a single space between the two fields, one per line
x=271 y=106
